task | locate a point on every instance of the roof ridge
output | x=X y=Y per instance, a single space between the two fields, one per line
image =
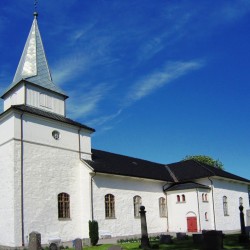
x=171 y=173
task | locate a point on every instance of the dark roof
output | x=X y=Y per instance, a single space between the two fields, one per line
x=53 y=116
x=191 y=169
x=110 y=163
x=185 y=186
x=183 y=171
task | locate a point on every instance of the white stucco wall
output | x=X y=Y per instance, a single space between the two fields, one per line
x=124 y=189
x=16 y=96
x=206 y=207
x=46 y=174
x=179 y=211
x=7 y=206
x=39 y=130
x=50 y=167
x=7 y=173
x=233 y=190
x=219 y=187
x=7 y=124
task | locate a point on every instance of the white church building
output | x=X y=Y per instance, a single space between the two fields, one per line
x=53 y=182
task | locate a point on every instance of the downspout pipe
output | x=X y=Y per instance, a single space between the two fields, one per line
x=79 y=142
x=166 y=194
x=212 y=187
x=198 y=208
x=167 y=211
x=92 y=196
x=22 y=184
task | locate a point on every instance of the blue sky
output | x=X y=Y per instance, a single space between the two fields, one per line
x=158 y=80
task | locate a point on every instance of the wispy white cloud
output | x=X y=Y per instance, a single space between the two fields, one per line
x=156 y=80
x=104 y=119
x=70 y=67
x=81 y=33
x=82 y=57
x=83 y=103
x=86 y=103
x=173 y=26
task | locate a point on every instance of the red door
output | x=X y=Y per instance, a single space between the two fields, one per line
x=192 y=224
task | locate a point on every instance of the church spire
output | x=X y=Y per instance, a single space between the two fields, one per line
x=33 y=66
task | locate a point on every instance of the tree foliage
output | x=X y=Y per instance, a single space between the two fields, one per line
x=205 y=159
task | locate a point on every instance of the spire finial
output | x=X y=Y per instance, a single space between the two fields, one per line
x=35 y=9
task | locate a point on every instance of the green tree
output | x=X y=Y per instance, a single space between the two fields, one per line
x=205 y=159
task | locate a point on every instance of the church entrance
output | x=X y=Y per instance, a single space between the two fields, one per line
x=192 y=224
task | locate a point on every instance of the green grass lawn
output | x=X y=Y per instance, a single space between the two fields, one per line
x=230 y=242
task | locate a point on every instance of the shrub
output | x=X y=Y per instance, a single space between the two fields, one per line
x=93 y=232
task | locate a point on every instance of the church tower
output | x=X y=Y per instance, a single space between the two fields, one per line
x=32 y=84
x=43 y=156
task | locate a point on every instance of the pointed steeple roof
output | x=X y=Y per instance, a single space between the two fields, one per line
x=33 y=66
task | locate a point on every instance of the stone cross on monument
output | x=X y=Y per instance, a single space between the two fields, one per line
x=144 y=230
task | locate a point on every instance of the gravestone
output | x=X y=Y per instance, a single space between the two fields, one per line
x=35 y=241
x=181 y=236
x=78 y=244
x=213 y=240
x=197 y=238
x=86 y=242
x=248 y=222
x=165 y=239
x=53 y=246
x=144 y=230
x=248 y=218
x=115 y=247
x=243 y=236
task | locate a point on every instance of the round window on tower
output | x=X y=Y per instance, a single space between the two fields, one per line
x=56 y=135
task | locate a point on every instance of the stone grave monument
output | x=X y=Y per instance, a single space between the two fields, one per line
x=78 y=244
x=35 y=241
x=243 y=236
x=144 y=230
x=248 y=222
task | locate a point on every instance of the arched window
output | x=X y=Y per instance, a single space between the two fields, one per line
x=206 y=197
x=178 y=198
x=241 y=201
x=137 y=204
x=109 y=206
x=206 y=216
x=63 y=206
x=225 y=206
x=162 y=207
x=183 y=198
